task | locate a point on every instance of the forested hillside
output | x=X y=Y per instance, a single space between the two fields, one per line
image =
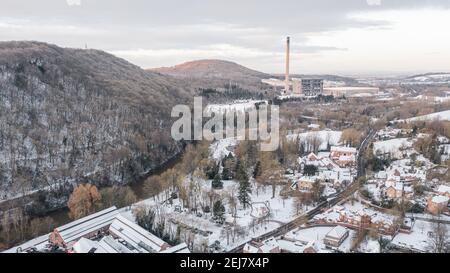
x=70 y=116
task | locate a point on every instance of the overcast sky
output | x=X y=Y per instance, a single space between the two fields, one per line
x=350 y=37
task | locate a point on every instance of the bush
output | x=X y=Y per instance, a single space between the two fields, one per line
x=174 y=195
x=419 y=189
x=388 y=203
x=219 y=211
x=366 y=193
x=217 y=182
x=416 y=208
x=379 y=164
x=309 y=170
x=212 y=171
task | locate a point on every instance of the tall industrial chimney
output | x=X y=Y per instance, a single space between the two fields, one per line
x=287 y=89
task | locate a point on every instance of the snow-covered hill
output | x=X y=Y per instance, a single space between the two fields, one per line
x=429 y=78
x=444 y=115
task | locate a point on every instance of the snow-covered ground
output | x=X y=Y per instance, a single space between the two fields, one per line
x=221 y=148
x=394 y=147
x=418 y=239
x=296 y=241
x=238 y=106
x=280 y=212
x=325 y=137
x=432 y=98
x=444 y=115
x=369 y=245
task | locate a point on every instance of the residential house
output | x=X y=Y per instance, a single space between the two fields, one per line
x=268 y=246
x=306 y=183
x=343 y=156
x=336 y=236
x=311 y=247
x=398 y=190
x=437 y=204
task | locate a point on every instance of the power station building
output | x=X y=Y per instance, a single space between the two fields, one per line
x=307 y=87
x=304 y=87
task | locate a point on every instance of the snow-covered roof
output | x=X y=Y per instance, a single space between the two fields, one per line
x=313 y=245
x=81 y=227
x=308 y=179
x=265 y=247
x=312 y=156
x=39 y=241
x=85 y=245
x=135 y=235
x=314 y=126
x=443 y=189
x=337 y=232
x=408 y=189
x=343 y=149
x=109 y=245
x=354 y=212
x=323 y=154
x=269 y=245
x=438 y=199
x=347 y=158
x=181 y=248
x=252 y=247
x=398 y=186
x=381 y=175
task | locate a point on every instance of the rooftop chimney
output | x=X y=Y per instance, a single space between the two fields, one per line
x=287 y=89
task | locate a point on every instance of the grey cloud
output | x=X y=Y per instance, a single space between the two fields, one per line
x=116 y=25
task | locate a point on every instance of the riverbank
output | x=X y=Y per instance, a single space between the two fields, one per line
x=60 y=216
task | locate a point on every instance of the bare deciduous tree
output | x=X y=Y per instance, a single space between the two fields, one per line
x=439 y=237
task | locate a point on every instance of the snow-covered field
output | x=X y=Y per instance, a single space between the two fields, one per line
x=394 y=147
x=238 y=106
x=432 y=98
x=325 y=137
x=444 y=116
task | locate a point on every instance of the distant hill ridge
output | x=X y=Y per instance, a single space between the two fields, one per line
x=429 y=74
x=216 y=73
x=211 y=68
